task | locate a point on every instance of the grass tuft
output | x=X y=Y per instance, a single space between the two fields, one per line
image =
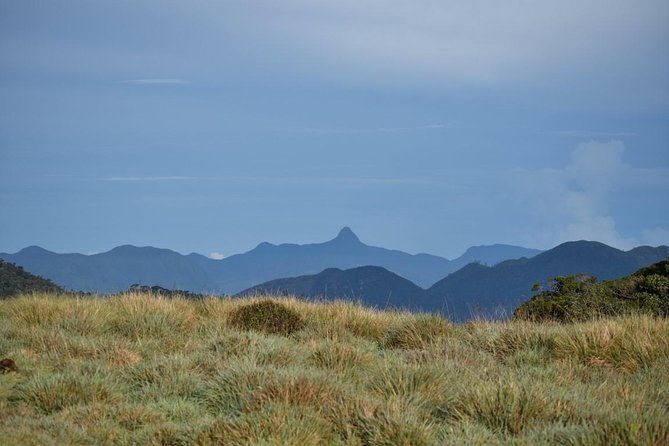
x=267 y=316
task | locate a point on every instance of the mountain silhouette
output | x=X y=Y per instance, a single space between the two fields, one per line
x=117 y=269
x=348 y=268
x=474 y=290
x=373 y=285
x=267 y=261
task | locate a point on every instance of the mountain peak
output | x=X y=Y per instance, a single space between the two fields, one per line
x=347 y=235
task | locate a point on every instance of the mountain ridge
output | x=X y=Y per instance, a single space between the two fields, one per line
x=481 y=290
x=110 y=271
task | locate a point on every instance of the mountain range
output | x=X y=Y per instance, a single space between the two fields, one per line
x=474 y=290
x=116 y=270
x=485 y=280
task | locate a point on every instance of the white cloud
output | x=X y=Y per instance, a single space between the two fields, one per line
x=156 y=81
x=572 y=203
x=216 y=255
x=656 y=236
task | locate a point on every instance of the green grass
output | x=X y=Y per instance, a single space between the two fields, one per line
x=138 y=369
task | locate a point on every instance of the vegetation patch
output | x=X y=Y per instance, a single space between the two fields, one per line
x=267 y=316
x=417 y=333
x=15 y=280
x=580 y=297
x=510 y=408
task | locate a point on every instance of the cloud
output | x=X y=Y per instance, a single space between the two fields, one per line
x=336 y=130
x=216 y=255
x=590 y=134
x=156 y=81
x=572 y=203
x=151 y=178
x=420 y=127
x=447 y=43
x=656 y=236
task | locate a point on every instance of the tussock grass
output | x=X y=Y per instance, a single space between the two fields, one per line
x=140 y=369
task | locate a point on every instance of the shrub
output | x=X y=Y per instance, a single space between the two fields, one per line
x=267 y=316
x=579 y=297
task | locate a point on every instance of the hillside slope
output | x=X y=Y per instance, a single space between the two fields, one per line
x=372 y=285
x=15 y=280
x=499 y=289
x=115 y=270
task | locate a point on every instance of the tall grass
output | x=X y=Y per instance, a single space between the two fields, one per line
x=139 y=369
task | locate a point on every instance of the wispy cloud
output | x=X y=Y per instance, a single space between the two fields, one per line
x=151 y=178
x=590 y=134
x=156 y=81
x=337 y=130
x=289 y=180
x=216 y=255
x=419 y=127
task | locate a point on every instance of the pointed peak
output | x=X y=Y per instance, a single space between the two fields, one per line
x=346 y=234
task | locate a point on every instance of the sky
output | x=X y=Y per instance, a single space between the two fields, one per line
x=425 y=126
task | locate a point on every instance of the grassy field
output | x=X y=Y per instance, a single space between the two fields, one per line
x=139 y=369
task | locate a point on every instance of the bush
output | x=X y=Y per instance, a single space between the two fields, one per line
x=267 y=316
x=579 y=297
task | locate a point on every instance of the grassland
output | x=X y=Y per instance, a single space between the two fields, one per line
x=137 y=369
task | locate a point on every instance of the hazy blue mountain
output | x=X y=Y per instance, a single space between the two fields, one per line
x=489 y=290
x=373 y=285
x=474 y=290
x=115 y=270
x=267 y=261
x=341 y=265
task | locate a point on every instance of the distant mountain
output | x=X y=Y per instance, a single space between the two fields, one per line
x=340 y=268
x=493 y=254
x=474 y=290
x=115 y=270
x=479 y=289
x=15 y=280
x=267 y=261
x=373 y=285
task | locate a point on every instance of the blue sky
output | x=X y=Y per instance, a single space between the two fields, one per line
x=426 y=126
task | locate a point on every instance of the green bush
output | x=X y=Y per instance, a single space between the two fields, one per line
x=580 y=297
x=267 y=316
